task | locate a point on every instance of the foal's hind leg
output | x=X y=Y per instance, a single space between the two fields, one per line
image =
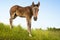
x=11 y=19
x=11 y=23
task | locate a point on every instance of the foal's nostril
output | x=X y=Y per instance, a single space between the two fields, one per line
x=35 y=18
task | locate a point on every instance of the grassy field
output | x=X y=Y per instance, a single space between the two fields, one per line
x=18 y=33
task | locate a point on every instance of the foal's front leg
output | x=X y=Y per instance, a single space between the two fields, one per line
x=29 y=26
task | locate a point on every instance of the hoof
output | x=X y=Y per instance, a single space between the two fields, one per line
x=30 y=35
x=11 y=27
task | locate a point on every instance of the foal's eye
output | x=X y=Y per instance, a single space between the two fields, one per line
x=38 y=9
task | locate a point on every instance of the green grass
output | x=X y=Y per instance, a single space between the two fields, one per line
x=18 y=33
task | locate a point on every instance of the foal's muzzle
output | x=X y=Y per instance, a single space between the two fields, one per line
x=35 y=18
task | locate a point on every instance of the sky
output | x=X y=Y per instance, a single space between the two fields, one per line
x=48 y=15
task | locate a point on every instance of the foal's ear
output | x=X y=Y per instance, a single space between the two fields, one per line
x=32 y=3
x=38 y=3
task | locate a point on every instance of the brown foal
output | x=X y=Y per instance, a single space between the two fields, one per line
x=26 y=12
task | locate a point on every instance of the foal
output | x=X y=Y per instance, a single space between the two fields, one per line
x=26 y=12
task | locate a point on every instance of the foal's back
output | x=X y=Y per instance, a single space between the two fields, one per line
x=21 y=11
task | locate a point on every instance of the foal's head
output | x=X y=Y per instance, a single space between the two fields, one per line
x=35 y=9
